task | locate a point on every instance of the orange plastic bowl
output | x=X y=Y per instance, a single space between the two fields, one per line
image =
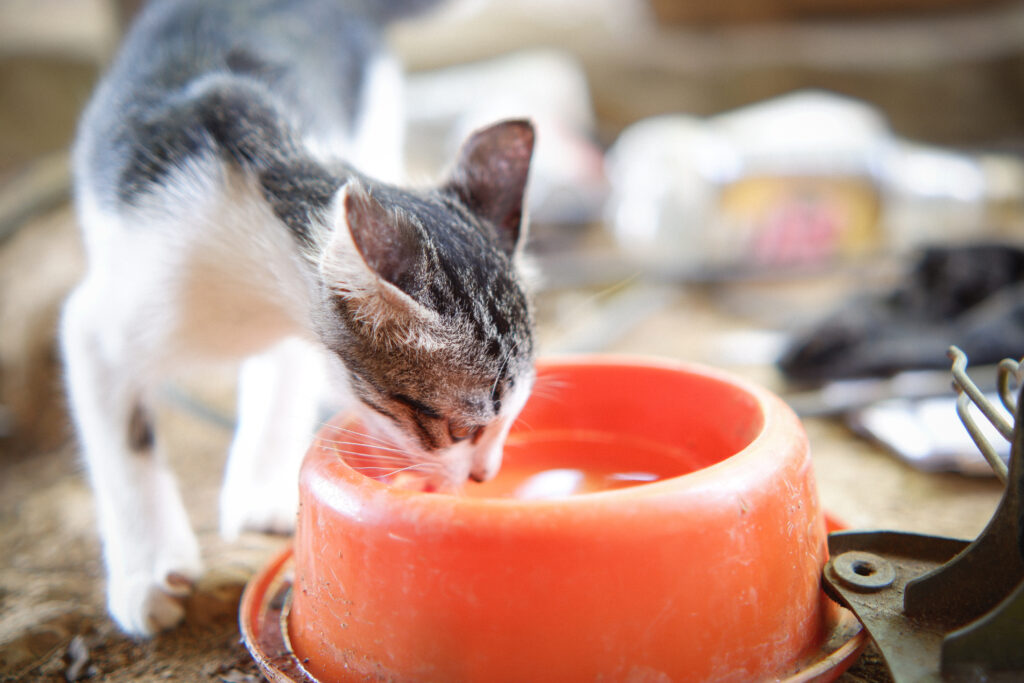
x=693 y=554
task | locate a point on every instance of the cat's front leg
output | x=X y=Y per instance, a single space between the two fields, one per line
x=150 y=551
x=279 y=394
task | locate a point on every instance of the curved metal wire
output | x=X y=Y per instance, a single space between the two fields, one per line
x=968 y=392
x=1009 y=369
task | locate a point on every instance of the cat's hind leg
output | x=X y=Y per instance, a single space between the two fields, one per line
x=279 y=395
x=150 y=551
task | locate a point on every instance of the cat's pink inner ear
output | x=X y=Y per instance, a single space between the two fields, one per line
x=491 y=173
x=388 y=248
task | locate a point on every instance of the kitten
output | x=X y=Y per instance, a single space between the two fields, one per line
x=224 y=217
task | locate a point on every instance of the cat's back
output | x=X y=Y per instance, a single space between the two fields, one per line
x=305 y=59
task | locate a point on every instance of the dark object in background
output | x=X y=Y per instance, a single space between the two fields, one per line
x=970 y=296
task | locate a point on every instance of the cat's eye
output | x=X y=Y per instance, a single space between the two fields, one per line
x=461 y=432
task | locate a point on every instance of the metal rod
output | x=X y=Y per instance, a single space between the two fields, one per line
x=968 y=392
x=963 y=383
x=1009 y=368
x=963 y=405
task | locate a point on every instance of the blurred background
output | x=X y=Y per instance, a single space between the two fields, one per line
x=820 y=195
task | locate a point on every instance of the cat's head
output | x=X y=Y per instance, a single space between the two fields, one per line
x=426 y=309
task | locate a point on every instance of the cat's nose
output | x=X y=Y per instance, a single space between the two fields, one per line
x=486 y=460
x=484 y=473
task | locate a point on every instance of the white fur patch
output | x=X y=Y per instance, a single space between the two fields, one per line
x=200 y=270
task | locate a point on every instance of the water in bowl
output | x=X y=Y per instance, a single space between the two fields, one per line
x=552 y=465
x=547 y=464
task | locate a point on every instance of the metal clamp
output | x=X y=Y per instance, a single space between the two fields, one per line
x=942 y=609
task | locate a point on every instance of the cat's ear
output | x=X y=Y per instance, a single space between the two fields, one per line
x=490 y=177
x=388 y=246
x=373 y=256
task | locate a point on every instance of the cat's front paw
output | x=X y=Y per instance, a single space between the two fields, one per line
x=143 y=607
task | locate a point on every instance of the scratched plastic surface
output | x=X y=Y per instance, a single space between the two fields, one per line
x=677 y=536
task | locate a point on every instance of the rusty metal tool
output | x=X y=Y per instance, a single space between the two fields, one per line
x=942 y=609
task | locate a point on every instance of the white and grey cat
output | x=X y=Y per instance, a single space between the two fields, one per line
x=224 y=217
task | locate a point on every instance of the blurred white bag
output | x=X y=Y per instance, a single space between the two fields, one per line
x=802 y=180
x=780 y=183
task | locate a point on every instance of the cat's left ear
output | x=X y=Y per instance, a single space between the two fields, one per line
x=373 y=257
x=490 y=177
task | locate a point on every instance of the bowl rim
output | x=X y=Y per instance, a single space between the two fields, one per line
x=743 y=469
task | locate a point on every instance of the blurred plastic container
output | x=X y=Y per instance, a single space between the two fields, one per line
x=802 y=180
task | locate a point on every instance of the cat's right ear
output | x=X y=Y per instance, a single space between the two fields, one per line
x=490 y=177
x=371 y=256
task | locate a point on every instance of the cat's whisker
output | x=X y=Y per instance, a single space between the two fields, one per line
x=355 y=458
x=387 y=470
x=524 y=425
x=422 y=466
x=550 y=387
x=375 y=447
x=358 y=456
x=355 y=452
x=552 y=379
x=501 y=366
x=369 y=455
x=366 y=468
x=373 y=441
x=366 y=435
x=552 y=393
